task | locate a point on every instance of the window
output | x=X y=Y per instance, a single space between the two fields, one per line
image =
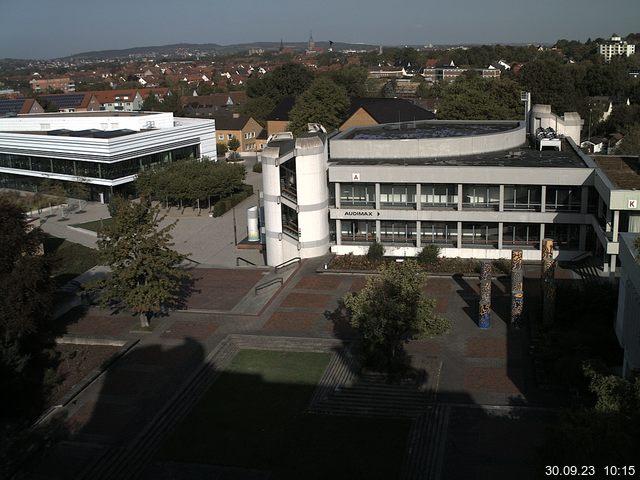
x=565 y=237
x=439 y=233
x=358 y=231
x=357 y=195
x=563 y=199
x=290 y=222
x=398 y=232
x=481 y=196
x=229 y=136
x=521 y=235
x=480 y=234
x=220 y=137
x=397 y=196
x=522 y=197
x=438 y=195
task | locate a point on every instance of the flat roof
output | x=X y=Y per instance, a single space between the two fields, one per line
x=624 y=172
x=87 y=133
x=101 y=113
x=427 y=129
x=524 y=156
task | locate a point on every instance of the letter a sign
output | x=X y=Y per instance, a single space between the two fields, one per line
x=355 y=177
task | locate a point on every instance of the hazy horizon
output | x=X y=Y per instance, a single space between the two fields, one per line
x=42 y=29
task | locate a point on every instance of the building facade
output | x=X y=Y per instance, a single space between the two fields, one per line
x=615 y=47
x=474 y=189
x=628 y=316
x=104 y=150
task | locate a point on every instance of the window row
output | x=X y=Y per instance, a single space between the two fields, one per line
x=108 y=171
x=445 y=234
x=516 y=197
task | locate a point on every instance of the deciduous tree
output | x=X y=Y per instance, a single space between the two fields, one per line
x=323 y=102
x=145 y=274
x=391 y=310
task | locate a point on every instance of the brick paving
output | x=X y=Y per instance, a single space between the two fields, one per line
x=221 y=289
x=319 y=282
x=197 y=329
x=308 y=300
x=96 y=322
x=490 y=380
x=292 y=322
x=486 y=347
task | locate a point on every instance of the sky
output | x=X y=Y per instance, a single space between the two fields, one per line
x=55 y=28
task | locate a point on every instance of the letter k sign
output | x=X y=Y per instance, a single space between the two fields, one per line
x=632 y=204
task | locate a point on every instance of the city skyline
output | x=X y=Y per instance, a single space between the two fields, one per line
x=47 y=30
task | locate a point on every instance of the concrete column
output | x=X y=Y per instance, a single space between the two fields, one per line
x=501 y=204
x=338 y=232
x=377 y=229
x=377 y=196
x=584 y=200
x=582 y=238
x=418 y=231
x=418 y=193
x=337 y=194
x=612 y=266
x=500 y=227
x=459 y=232
x=459 y=196
x=543 y=198
x=541 y=235
x=608 y=221
x=616 y=224
x=599 y=207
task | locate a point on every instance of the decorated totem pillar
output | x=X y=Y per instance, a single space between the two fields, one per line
x=548 y=282
x=484 y=320
x=517 y=289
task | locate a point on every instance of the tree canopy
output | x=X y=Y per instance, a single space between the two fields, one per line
x=287 y=80
x=391 y=310
x=323 y=102
x=145 y=276
x=475 y=98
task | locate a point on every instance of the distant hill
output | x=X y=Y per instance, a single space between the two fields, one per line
x=182 y=49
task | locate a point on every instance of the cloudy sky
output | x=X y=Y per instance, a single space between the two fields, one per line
x=55 y=28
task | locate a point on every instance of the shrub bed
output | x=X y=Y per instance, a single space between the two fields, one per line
x=226 y=204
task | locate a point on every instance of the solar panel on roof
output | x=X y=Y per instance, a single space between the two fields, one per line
x=10 y=106
x=65 y=101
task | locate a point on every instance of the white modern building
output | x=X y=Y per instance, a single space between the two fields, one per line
x=616 y=47
x=105 y=150
x=475 y=189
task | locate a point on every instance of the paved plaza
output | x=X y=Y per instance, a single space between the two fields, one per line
x=480 y=380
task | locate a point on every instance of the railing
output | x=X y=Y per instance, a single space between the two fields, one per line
x=268 y=284
x=244 y=260
x=291 y=261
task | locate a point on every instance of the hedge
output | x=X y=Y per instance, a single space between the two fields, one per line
x=226 y=204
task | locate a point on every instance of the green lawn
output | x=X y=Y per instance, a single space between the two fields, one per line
x=69 y=259
x=95 y=225
x=254 y=417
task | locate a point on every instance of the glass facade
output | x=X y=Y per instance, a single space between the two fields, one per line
x=521 y=235
x=565 y=236
x=107 y=171
x=563 y=199
x=480 y=234
x=358 y=195
x=288 y=180
x=398 y=232
x=290 y=222
x=438 y=195
x=357 y=231
x=444 y=234
x=398 y=196
x=522 y=197
x=481 y=196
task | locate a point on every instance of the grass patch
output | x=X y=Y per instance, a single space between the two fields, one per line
x=254 y=417
x=68 y=259
x=95 y=225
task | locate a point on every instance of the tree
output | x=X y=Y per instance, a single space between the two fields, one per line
x=391 y=310
x=25 y=283
x=474 y=98
x=145 y=276
x=233 y=144
x=550 y=83
x=287 y=80
x=221 y=148
x=353 y=79
x=258 y=108
x=323 y=102
x=630 y=144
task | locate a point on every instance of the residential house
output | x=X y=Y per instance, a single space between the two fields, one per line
x=119 y=100
x=19 y=106
x=242 y=127
x=213 y=105
x=615 y=47
x=64 y=84
x=73 y=102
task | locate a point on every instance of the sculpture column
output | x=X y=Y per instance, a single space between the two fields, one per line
x=548 y=282
x=484 y=320
x=517 y=289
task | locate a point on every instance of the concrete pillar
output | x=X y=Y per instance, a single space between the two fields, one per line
x=616 y=224
x=501 y=202
x=338 y=232
x=459 y=234
x=500 y=228
x=608 y=221
x=337 y=194
x=584 y=200
x=459 y=196
x=612 y=265
x=541 y=235
x=600 y=202
x=377 y=197
x=418 y=235
x=378 y=231
x=418 y=194
x=543 y=199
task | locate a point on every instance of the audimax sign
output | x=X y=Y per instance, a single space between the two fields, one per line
x=361 y=213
